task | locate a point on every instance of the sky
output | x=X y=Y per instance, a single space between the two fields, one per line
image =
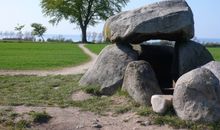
x=13 y=12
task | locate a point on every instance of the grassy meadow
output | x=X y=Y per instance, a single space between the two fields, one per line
x=95 y=48
x=27 y=56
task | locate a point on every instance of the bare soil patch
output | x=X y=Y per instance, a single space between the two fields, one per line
x=75 y=119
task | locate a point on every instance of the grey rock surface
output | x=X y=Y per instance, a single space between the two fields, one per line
x=168 y=20
x=140 y=82
x=191 y=55
x=196 y=96
x=161 y=103
x=214 y=67
x=109 y=68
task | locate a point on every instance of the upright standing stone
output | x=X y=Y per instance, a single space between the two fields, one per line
x=140 y=82
x=109 y=68
x=191 y=55
x=168 y=20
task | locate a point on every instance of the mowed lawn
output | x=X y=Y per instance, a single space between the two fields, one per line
x=39 y=56
x=215 y=51
x=96 y=48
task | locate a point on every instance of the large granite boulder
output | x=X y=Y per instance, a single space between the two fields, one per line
x=196 y=96
x=214 y=67
x=168 y=20
x=191 y=55
x=140 y=82
x=109 y=68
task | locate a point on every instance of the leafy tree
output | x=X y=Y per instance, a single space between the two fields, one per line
x=38 y=30
x=81 y=12
x=19 y=28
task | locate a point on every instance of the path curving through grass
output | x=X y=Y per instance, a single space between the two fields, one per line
x=80 y=69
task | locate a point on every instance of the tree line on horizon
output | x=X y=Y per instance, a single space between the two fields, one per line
x=37 y=30
x=18 y=34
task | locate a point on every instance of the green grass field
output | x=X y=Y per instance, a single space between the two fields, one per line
x=26 y=56
x=215 y=51
x=96 y=48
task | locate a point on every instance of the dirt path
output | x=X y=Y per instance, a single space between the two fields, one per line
x=75 y=119
x=65 y=71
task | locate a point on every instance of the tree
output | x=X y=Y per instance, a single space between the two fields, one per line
x=19 y=28
x=38 y=30
x=81 y=12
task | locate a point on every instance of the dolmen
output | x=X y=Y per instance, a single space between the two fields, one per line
x=182 y=70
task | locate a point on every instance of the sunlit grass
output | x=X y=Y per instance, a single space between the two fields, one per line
x=27 y=56
x=215 y=51
x=96 y=48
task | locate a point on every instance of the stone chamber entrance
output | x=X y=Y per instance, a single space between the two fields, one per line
x=163 y=60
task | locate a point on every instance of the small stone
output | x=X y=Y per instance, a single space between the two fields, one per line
x=96 y=125
x=145 y=123
x=127 y=119
x=139 y=121
x=135 y=128
x=79 y=126
x=161 y=103
x=104 y=96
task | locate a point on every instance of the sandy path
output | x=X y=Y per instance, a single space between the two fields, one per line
x=65 y=71
x=75 y=119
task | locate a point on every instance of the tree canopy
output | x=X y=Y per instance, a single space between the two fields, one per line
x=81 y=12
x=19 y=28
x=38 y=30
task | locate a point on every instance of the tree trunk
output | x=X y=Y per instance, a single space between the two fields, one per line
x=84 y=37
x=42 y=38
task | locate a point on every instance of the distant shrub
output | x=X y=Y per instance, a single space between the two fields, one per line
x=212 y=44
x=60 y=39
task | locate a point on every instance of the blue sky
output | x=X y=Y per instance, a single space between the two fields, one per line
x=13 y=12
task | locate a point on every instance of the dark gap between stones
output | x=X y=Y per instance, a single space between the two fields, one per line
x=164 y=62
